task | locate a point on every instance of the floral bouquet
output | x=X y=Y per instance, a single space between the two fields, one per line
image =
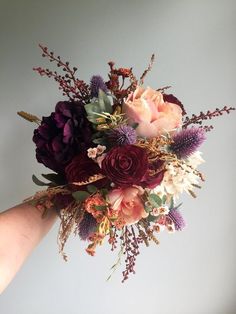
x=121 y=154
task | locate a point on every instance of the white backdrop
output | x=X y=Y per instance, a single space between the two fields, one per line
x=192 y=272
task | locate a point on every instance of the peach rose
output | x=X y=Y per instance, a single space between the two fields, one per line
x=154 y=116
x=128 y=204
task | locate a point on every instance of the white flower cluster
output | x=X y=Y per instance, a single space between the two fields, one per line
x=179 y=179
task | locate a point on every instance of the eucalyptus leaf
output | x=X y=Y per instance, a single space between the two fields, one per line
x=91 y=189
x=148 y=209
x=164 y=199
x=54 y=177
x=104 y=102
x=99 y=106
x=151 y=218
x=155 y=200
x=104 y=192
x=39 y=182
x=171 y=203
x=80 y=196
x=100 y=207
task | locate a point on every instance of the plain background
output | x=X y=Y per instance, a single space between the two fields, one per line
x=194 y=41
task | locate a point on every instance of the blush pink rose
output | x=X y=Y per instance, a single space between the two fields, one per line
x=128 y=204
x=153 y=115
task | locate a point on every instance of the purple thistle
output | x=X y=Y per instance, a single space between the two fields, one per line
x=87 y=226
x=177 y=218
x=122 y=135
x=187 y=141
x=97 y=83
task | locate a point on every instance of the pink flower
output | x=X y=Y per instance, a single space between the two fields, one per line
x=154 y=116
x=128 y=204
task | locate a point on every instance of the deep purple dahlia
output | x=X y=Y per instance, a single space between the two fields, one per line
x=62 y=135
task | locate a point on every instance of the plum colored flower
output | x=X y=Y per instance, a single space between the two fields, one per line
x=128 y=204
x=153 y=115
x=81 y=168
x=125 y=165
x=97 y=83
x=62 y=135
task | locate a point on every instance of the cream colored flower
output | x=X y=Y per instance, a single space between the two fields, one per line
x=179 y=179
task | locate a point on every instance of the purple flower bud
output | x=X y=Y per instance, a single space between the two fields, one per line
x=122 y=135
x=177 y=219
x=187 y=141
x=97 y=83
x=87 y=226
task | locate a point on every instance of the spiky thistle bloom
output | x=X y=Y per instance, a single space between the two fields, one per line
x=122 y=135
x=87 y=226
x=187 y=141
x=177 y=219
x=97 y=83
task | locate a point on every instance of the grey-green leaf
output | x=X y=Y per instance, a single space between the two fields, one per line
x=155 y=200
x=80 y=196
x=104 y=102
x=39 y=182
x=91 y=189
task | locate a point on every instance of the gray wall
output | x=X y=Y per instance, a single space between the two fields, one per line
x=191 y=272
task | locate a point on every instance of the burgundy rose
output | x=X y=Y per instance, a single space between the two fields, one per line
x=125 y=165
x=81 y=168
x=62 y=135
x=154 y=175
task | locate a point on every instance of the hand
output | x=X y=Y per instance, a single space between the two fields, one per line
x=21 y=229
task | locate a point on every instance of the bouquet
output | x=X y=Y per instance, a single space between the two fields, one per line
x=121 y=155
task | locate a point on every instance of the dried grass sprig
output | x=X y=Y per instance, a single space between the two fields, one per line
x=70 y=217
x=198 y=119
x=71 y=86
x=143 y=76
x=29 y=117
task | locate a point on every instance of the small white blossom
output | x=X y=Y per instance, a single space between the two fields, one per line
x=92 y=152
x=100 y=149
x=162 y=210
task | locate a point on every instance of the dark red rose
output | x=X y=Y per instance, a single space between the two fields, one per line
x=154 y=175
x=125 y=165
x=81 y=168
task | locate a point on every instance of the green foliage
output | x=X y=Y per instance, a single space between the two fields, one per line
x=80 y=196
x=164 y=199
x=39 y=182
x=97 y=107
x=92 y=189
x=171 y=203
x=100 y=207
x=54 y=178
x=104 y=192
x=151 y=218
x=155 y=200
